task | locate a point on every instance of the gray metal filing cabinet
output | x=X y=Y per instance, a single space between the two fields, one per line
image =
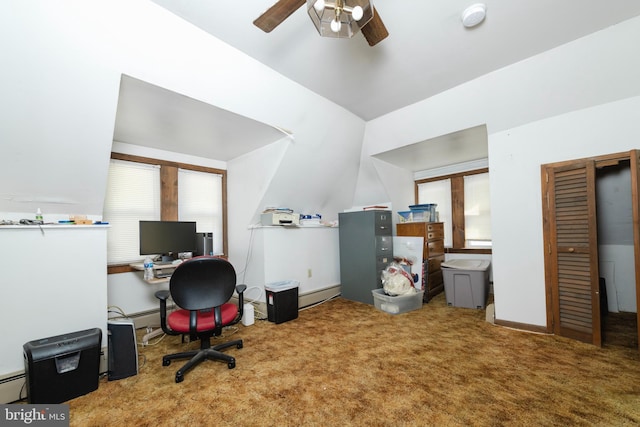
x=366 y=247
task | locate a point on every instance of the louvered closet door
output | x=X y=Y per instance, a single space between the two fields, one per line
x=572 y=251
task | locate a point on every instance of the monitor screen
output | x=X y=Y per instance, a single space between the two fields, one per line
x=164 y=237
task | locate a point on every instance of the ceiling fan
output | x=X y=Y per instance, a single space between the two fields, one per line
x=332 y=18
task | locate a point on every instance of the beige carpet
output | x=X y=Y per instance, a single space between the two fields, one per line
x=345 y=363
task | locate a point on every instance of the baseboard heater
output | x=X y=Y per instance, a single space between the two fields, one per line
x=11 y=386
x=304 y=300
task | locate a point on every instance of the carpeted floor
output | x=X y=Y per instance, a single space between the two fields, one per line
x=345 y=363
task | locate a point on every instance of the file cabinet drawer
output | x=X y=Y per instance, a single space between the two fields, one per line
x=383 y=224
x=384 y=245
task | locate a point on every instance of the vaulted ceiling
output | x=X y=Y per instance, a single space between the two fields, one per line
x=428 y=50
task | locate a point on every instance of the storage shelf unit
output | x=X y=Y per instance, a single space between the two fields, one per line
x=432 y=254
x=366 y=248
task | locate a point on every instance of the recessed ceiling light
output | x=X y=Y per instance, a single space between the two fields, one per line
x=474 y=14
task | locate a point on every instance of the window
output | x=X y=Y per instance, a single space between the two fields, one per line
x=477 y=211
x=140 y=188
x=463 y=207
x=133 y=194
x=199 y=201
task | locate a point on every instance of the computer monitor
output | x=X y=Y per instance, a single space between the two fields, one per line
x=167 y=238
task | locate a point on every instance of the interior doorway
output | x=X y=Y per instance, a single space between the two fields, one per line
x=591 y=212
x=615 y=255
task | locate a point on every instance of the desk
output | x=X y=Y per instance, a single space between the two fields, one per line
x=156 y=267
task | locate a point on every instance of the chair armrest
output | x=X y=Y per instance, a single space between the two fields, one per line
x=162 y=295
x=240 y=290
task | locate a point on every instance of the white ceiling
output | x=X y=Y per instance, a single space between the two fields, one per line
x=427 y=52
x=154 y=117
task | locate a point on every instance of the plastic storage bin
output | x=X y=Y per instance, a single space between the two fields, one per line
x=405 y=216
x=282 y=301
x=398 y=304
x=466 y=282
x=425 y=212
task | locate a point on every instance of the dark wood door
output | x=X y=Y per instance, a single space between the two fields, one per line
x=635 y=203
x=571 y=250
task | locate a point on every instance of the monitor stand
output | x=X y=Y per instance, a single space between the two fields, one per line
x=167 y=258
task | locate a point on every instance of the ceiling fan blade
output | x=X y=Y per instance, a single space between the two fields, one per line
x=276 y=14
x=374 y=31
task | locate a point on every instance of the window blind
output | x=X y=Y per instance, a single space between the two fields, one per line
x=200 y=200
x=477 y=209
x=133 y=194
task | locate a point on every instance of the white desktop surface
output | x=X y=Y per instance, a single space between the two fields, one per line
x=140 y=266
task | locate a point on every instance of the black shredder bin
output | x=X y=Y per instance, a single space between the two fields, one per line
x=62 y=367
x=282 y=301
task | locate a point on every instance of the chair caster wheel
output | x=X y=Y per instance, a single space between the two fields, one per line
x=232 y=365
x=179 y=378
x=239 y=345
x=166 y=362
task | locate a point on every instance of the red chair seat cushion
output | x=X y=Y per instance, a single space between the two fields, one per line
x=179 y=319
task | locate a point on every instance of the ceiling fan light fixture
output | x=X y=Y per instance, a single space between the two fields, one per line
x=357 y=13
x=339 y=18
x=474 y=15
x=336 y=25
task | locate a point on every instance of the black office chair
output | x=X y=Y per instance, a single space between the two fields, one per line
x=201 y=288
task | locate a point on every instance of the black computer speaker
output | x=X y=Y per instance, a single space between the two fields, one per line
x=123 y=350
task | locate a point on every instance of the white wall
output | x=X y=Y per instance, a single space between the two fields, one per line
x=616 y=265
x=53 y=283
x=308 y=255
x=60 y=82
x=62 y=63
x=515 y=157
x=556 y=106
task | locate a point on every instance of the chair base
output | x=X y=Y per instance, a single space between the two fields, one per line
x=197 y=356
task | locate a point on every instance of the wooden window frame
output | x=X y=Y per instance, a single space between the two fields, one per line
x=169 y=194
x=457 y=209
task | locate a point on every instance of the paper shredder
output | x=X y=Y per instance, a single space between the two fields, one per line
x=62 y=367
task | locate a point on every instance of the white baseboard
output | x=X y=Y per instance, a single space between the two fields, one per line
x=314 y=297
x=152 y=317
x=11 y=386
x=304 y=300
x=145 y=318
